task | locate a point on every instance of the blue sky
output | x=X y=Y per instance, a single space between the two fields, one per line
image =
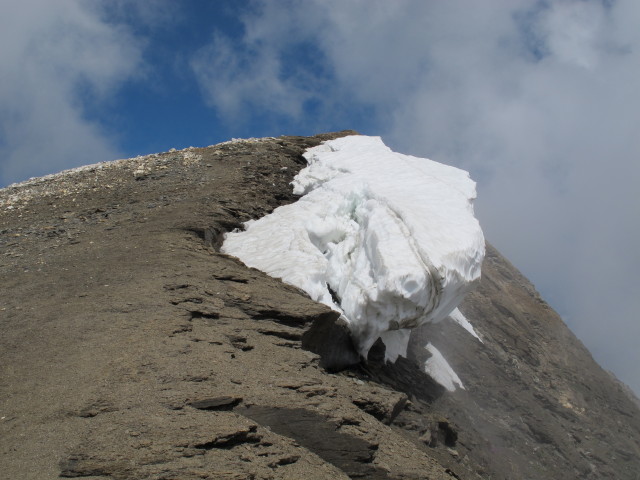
x=537 y=99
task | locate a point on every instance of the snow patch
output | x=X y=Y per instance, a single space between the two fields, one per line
x=457 y=316
x=388 y=240
x=440 y=370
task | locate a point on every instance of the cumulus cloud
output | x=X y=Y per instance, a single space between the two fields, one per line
x=231 y=82
x=238 y=74
x=57 y=59
x=537 y=99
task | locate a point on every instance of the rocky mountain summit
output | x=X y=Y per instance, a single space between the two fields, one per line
x=132 y=349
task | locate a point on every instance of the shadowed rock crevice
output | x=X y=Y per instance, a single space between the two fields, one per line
x=213 y=235
x=404 y=375
x=224 y=403
x=330 y=337
x=232 y=440
x=352 y=455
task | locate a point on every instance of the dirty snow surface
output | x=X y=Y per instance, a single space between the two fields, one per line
x=388 y=240
x=458 y=317
x=440 y=370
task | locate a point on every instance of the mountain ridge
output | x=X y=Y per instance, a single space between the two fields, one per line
x=133 y=349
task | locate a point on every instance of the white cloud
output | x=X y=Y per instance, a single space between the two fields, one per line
x=233 y=80
x=56 y=59
x=237 y=75
x=571 y=31
x=537 y=99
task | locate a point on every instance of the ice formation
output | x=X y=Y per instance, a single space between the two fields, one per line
x=389 y=240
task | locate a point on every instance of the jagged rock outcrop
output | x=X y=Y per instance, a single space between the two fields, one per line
x=132 y=349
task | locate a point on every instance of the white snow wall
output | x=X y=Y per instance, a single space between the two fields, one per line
x=391 y=237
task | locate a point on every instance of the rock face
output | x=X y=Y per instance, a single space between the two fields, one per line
x=132 y=349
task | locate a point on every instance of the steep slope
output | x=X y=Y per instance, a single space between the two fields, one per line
x=535 y=404
x=131 y=348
